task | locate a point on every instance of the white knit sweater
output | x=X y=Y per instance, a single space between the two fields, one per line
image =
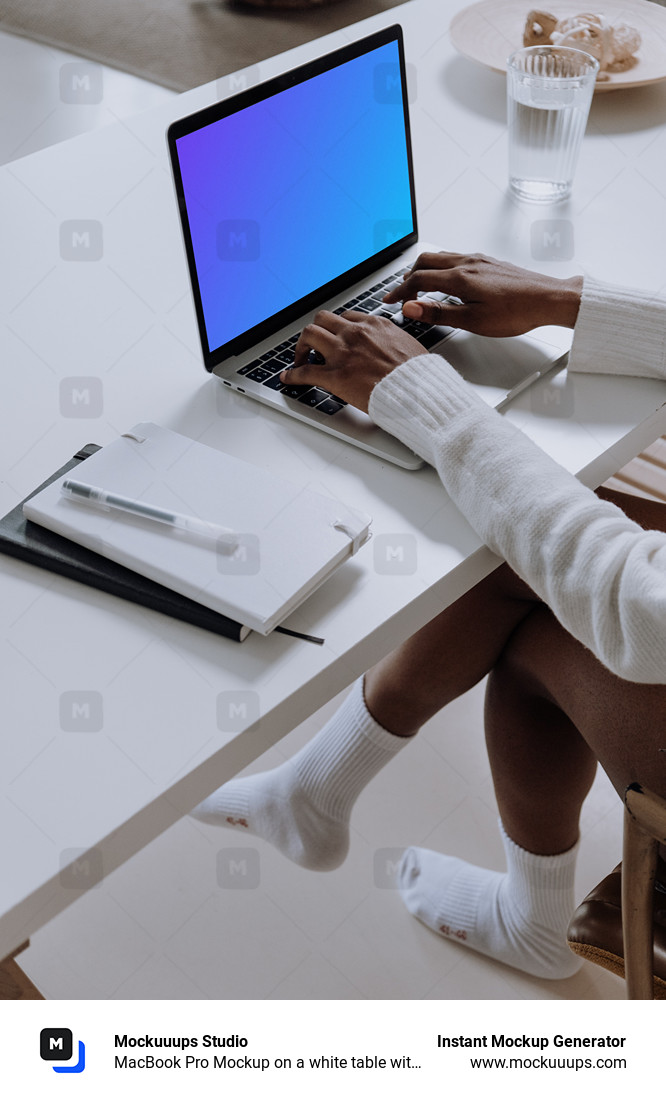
x=602 y=575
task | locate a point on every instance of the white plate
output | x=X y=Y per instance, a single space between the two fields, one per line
x=492 y=29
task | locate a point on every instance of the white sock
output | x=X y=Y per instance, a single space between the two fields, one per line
x=519 y=917
x=303 y=806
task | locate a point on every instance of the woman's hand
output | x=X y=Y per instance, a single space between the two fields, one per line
x=496 y=298
x=359 y=350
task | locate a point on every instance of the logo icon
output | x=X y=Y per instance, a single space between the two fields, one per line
x=385 y=866
x=236 y=710
x=81 y=711
x=81 y=396
x=238 y=868
x=56 y=1044
x=81 y=239
x=81 y=82
x=552 y=239
x=81 y=868
x=238 y=239
x=395 y=555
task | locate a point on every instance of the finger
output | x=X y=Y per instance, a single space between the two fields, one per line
x=438 y=313
x=310 y=374
x=430 y=261
x=438 y=260
x=324 y=322
x=325 y=318
x=423 y=280
x=314 y=338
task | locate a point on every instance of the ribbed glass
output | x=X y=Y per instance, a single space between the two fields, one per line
x=549 y=91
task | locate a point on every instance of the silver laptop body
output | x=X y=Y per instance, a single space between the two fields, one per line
x=298 y=194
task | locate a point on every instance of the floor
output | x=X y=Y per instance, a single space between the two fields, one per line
x=197 y=915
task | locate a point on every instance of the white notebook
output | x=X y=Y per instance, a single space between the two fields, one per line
x=288 y=539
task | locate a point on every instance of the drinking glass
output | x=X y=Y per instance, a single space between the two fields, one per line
x=549 y=91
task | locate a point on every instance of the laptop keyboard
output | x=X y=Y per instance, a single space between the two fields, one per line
x=266 y=369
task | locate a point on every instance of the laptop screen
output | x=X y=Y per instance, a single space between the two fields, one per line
x=284 y=196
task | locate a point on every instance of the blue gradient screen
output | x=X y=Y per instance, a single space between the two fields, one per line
x=292 y=192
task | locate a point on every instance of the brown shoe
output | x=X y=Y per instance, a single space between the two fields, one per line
x=595 y=930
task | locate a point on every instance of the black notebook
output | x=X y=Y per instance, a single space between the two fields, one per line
x=30 y=542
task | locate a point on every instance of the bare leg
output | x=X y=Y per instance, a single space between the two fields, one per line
x=447 y=656
x=462 y=644
x=303 y=807
x=552 y=711
x=542 y=768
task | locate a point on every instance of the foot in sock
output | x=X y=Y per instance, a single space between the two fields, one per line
x=519 y=918
x=303 y=807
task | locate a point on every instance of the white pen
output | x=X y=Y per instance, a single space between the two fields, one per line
x=100 y=498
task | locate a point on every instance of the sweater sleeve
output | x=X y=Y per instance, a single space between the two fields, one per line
x=619 y=331
x=602 y=575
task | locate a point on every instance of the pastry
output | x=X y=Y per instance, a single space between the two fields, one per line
x=614 y=46
x=538 y=28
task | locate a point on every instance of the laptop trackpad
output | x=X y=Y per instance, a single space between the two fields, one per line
x=494 y=365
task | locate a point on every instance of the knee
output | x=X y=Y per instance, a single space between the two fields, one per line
x=532 y=648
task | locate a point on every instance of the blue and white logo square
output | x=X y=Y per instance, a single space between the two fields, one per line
x=56 y=1044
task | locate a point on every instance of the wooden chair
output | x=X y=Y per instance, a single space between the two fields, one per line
x=14 y=984
x=621 y=924
x=644 y=830
x=645 y=475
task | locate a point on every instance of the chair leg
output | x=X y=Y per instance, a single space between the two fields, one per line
x=644 y=828
x=14 y=984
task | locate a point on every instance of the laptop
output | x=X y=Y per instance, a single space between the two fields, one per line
x=298 y=194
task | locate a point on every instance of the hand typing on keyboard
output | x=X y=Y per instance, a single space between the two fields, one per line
x=358 y=350
x=491 y=297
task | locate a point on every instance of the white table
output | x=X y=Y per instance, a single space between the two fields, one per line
x=116 y=720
